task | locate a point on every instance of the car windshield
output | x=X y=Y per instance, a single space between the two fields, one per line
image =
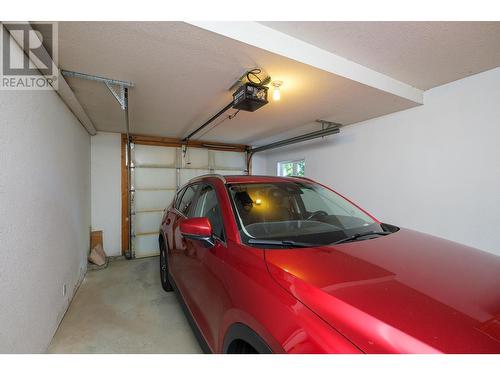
x=300 y=212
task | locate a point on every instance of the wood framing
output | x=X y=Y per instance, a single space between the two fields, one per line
x=173 y=142
x=158 y=141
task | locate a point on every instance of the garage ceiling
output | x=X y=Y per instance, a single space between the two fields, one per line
x=423 y=54
x=182 y=75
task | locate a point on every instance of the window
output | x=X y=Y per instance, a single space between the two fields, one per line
x=296 y=211
x=320 y=199
x=208 y=206
x=291 y=168
x=178 y=198
x=187 y=199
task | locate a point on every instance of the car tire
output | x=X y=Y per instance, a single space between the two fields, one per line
x=241 y=347
x=164 y=276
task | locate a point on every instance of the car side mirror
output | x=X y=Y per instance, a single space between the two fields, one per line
x=198 y=229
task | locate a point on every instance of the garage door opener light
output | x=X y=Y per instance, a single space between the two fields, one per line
x=276 y=91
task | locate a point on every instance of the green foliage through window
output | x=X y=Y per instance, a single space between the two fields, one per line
x=291 y=168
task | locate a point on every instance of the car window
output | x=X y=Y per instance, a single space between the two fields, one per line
x=178 y=198
x=296 y=211
x=207 y=205
x=319 y=199
x=187 y=199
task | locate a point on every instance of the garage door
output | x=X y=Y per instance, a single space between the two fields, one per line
x=158 y=171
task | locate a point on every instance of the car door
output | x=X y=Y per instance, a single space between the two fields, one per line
x=177 y=260
x=169 y=217
x=204 y=268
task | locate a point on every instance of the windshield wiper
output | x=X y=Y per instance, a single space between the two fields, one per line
x=360 y=235
x=253 y=241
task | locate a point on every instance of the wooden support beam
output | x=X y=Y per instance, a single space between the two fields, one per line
x=174 y=142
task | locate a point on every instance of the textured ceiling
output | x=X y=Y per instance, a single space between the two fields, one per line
x=422 y=54
x=182 y=75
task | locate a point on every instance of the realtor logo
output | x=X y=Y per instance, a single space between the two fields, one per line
x=29 y=52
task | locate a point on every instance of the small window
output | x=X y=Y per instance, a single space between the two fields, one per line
x=291 y=168
x=187 y=199
x=178 y=198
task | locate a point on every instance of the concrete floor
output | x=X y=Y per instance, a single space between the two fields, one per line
x=123 y=309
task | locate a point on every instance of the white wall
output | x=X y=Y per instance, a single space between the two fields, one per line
x=106 y=189
x=44 y=215
x=435 y=168
x=259 y=164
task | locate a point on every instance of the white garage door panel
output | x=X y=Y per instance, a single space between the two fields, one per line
x=229 y=160
x=158 y=172
x=187 y=174
x=196 y=158
x=155 y=178
x=147 y=222
x=152 y=199
x=154 y=156
x=145 y=245
x=229 y=172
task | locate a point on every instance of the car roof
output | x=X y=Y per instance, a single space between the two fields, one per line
x=234 y=179
x=237 y=179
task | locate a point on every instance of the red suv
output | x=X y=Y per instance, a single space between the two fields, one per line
x=286 y=265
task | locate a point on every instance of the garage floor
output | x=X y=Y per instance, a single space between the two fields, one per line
x=123 y=309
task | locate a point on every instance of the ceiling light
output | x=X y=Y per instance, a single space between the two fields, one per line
x=276 y=92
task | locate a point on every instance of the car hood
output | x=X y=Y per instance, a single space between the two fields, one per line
x=403 y=293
